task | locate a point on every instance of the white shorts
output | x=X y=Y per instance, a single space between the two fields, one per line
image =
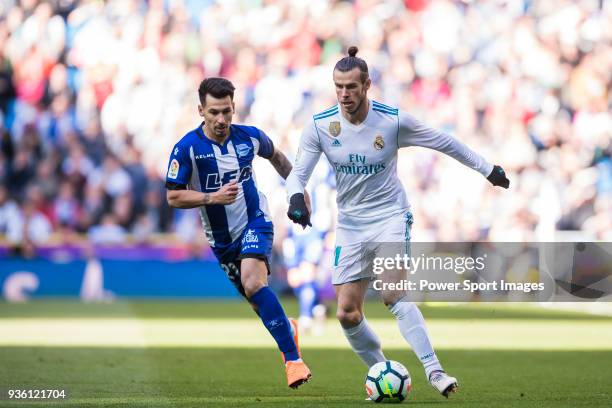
x=356 y=245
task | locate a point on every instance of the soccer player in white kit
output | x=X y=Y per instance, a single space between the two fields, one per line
x=360 y=138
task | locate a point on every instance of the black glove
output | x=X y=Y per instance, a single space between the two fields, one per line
x=298 y=213
x=498 y=177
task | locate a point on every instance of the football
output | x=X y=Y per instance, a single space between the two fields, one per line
x=388 y=381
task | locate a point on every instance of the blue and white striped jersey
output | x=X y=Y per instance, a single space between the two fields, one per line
x=204 y=165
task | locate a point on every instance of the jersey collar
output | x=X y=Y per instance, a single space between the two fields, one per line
x=201 y=133
x=353 y=126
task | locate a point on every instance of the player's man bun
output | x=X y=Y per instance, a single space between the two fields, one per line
x=352 y=61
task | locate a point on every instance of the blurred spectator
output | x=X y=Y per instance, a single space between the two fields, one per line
x=144 y=228
x=107 y=232
x=122 y=210
x=111 y=176
x=21 y=170
x=94 y=142
x=28 y=226
x=8 y=210
x=132 y=161
x=76 y=167
x=34 y=196
x=153 y=210
x=46 y=177
x=93 y=208
x=66 y=207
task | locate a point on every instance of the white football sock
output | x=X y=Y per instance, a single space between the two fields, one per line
x=365 y=343
x=412 y=326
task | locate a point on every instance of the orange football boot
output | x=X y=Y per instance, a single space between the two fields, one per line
x=298 y=372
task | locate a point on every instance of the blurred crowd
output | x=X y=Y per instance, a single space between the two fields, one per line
x=93 y=94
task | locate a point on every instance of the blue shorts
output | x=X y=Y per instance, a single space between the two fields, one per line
x=254 y=242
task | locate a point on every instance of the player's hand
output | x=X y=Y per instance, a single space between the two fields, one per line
x=226 y=194
x=298 y=212
x=498 y=177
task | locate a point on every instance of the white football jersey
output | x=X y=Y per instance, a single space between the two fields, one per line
x=364 y=158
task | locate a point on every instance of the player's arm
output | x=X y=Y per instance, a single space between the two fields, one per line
x=178 y=177
x=267 y=150
x=283 y=167
x=414 y=133
x=305 y=162
x=179 y=197
x=281 y=164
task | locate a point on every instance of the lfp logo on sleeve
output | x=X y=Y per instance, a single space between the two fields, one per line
x=174 y=169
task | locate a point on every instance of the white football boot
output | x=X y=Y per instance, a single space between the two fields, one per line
x=444 y=383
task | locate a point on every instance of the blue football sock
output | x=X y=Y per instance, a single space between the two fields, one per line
x=273 y=317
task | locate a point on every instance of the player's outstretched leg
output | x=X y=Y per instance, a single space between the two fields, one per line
x=254 y=280
x=412 y=326
x=274 y=319
x=361 y=337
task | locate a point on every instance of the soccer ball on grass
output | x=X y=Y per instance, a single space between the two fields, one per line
x=388 y=381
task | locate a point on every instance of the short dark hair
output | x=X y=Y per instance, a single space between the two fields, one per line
x=348 y=63
x=217 y=87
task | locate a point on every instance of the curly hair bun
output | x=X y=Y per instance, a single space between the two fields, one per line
x=352 y=51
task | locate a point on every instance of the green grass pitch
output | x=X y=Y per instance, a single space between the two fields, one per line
x=216 y=354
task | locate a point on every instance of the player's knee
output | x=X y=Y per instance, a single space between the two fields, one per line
x=349 y=317
x=252 y=285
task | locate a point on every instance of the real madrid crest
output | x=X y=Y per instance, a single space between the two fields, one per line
x=334 y=128
x=379 y=142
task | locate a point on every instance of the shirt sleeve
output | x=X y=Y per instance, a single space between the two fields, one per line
x=266 y=147
x=179 y=167
x=411 y=132
x=305 y=161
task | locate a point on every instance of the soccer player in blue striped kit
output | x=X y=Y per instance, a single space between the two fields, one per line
x=211 y=169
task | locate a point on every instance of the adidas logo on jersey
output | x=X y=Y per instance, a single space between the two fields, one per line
x=336 y=143
x=250 y=237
